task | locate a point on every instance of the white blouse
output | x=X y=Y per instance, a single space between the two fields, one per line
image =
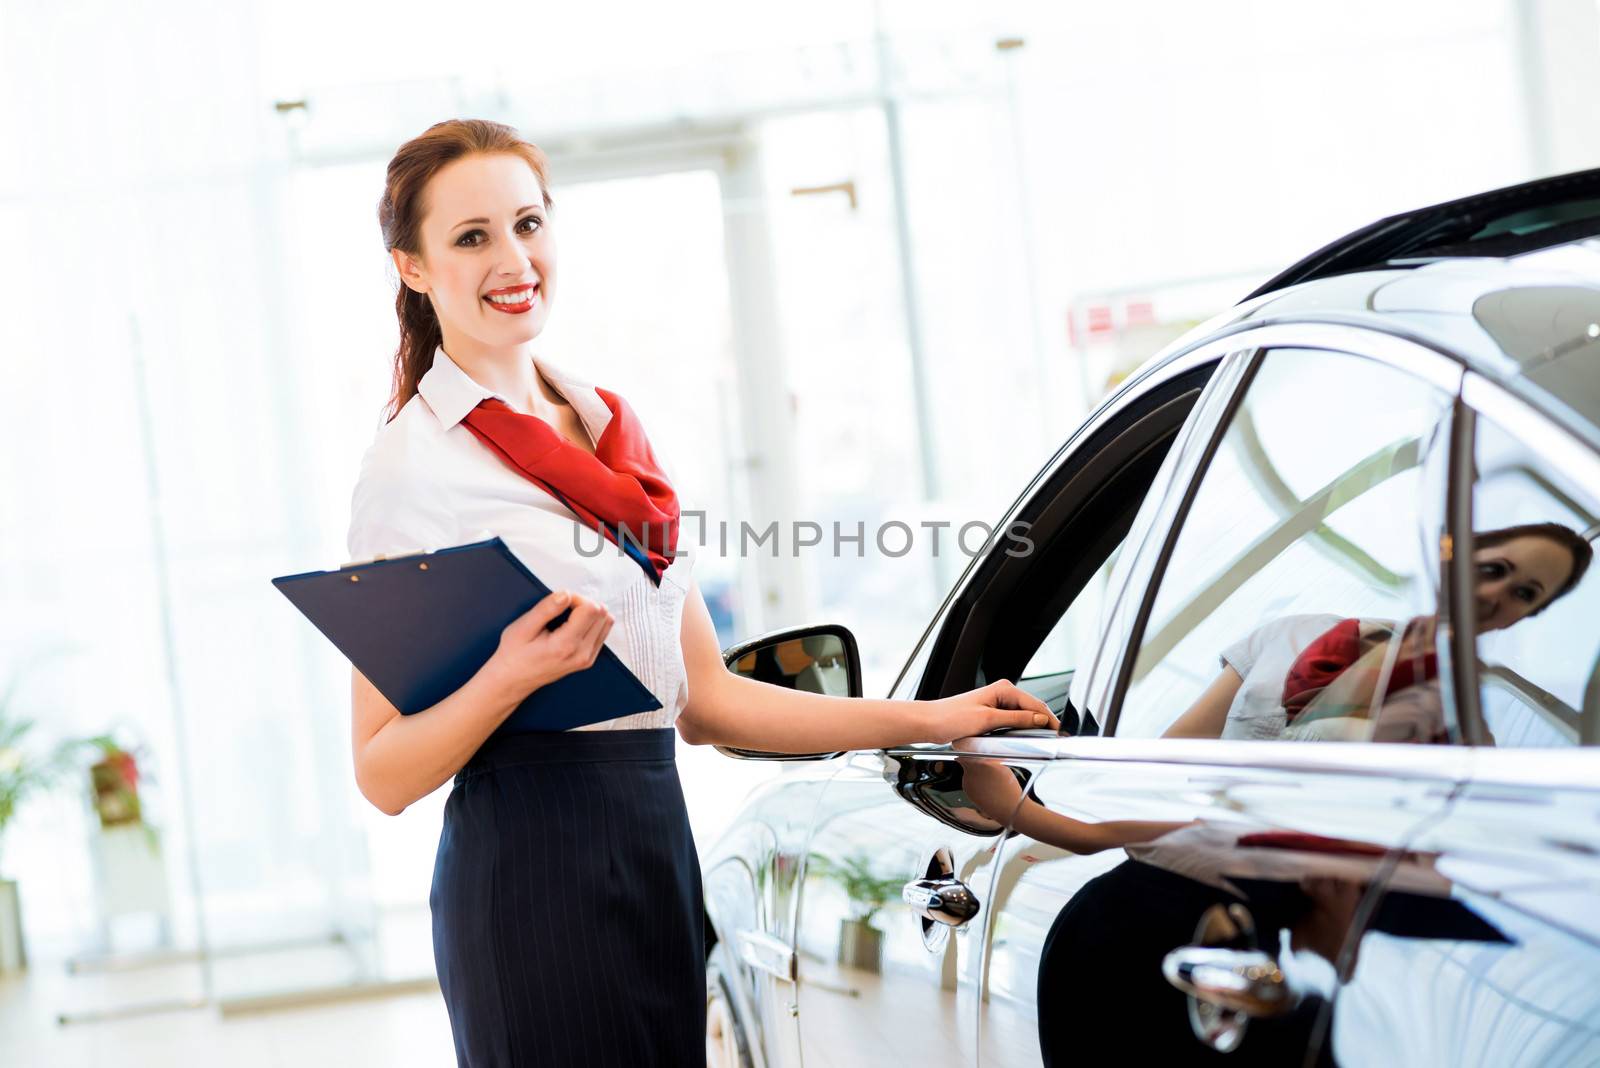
x=428 y=483
x=1263 y=659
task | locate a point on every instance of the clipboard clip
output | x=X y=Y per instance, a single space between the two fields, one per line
x=382 y=556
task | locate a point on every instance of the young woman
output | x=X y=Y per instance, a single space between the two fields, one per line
x=1314 y=676
x=567 y=920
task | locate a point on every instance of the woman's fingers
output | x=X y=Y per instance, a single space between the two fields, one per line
x=1023 y=708
x=590 y=623
x=571 y=633
x=595 y=636
x=530 y=623
x=1010 y=695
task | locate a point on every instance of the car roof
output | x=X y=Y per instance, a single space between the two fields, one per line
x=1530 y=322
x=1508 y=282
x=1501 y=222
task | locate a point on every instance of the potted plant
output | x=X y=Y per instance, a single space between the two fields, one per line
x=114 y=785
x=860 y=943
x=21 y=773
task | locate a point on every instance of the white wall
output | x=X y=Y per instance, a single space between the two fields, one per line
x=1162 y=143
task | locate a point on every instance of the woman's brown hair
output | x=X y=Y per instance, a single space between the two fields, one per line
x=400 y=213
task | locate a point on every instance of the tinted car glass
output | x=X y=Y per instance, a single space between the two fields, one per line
x=1538 y=608
x=1300 y=595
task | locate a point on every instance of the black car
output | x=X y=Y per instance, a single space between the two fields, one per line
x=1356 y=508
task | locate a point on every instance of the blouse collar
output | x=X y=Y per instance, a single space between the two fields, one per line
x=451 y=393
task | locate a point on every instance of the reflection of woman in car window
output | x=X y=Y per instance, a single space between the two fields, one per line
x=1310 y=676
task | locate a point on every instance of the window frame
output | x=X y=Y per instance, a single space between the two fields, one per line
x=1433 y=365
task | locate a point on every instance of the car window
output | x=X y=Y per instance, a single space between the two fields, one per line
x=1299 y=598
x=1077 y=629
x=1538 y=608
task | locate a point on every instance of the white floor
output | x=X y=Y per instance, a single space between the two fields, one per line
x=393 y=1031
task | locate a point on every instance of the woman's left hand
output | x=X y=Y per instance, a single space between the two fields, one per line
x=999 y=704
x=990 y=786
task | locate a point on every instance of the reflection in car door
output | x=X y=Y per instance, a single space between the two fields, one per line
x=1509 y=973
x=1205 y=833
x=878 y=981
x=1083 y=916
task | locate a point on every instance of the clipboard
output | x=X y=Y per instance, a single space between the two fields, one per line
x=420 y=625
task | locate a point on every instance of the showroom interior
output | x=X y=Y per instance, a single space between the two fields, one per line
x=852 y=262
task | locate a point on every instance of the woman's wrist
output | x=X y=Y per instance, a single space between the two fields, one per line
x=914 y=720
x=500 y=688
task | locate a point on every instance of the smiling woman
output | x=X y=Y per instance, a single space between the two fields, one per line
x=568 y=922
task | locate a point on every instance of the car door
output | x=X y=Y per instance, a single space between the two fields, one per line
x=1307 y=502
x=891 y=913
x=1509 y=974
x=877 y=981
x=751 y=881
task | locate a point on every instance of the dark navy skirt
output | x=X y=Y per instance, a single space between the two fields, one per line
x=567 y=914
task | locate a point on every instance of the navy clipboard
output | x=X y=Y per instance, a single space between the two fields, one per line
x=419 y=626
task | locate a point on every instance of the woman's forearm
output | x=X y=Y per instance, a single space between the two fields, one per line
x=1209 y=713
x=795 y=721
x=1075 y=836
x=411 y=756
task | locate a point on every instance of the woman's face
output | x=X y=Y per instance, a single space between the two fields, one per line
x=1517 y=577
x=485 y=233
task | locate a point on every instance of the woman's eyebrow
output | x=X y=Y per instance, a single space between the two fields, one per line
x=485 y=222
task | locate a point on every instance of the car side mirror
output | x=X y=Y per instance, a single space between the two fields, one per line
x=819 y=659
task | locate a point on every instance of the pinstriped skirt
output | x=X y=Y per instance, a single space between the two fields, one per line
x=567 y=914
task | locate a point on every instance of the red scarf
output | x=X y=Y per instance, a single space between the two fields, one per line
x=621 y=485
x=1334 y=652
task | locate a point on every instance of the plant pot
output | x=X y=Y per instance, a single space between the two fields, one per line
x=13 y=956
x=116 y=793
x=860 y=946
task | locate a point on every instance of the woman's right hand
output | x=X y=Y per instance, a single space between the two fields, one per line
x=529 y=656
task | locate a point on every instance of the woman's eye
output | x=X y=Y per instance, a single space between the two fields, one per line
x=1492 y=570
x=537 y=222
x=1526 y=594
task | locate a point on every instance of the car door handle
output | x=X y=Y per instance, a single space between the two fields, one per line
x=1229 y=978
x=767 y=954
x=942 y=899
x=1245 y=981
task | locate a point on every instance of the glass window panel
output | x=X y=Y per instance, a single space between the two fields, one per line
x=1300 y=597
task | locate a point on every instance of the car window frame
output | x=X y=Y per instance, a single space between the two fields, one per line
x=1449 y=766
x=1560 y=449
